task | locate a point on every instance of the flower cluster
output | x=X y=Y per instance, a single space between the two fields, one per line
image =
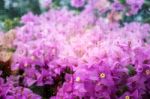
x=106 y=60
x=10 y=89
x=130 y=6
x=115 y=65
x=80 y=55
x=42 y=53
x=77 y=3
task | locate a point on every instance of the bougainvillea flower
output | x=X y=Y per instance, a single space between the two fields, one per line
x=77 y=3
x=79 y=55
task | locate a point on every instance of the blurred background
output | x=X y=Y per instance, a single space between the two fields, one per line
x=12 y=10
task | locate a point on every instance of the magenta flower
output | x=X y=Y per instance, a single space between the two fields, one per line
x=80 y=55
x=135 y=6
x=77 y=3
x=128 y=95
x=28 y=18
x=117 y=6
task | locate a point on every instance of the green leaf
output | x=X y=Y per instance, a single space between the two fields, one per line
x=11 y=23
x=122 y=1
x=45 y=91
x=11 y=49
x=1 y=65
x=131 y=70
x=147 y=20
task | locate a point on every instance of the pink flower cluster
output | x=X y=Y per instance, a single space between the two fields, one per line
x=79 y=55
x=105 y=60
x=10 y=89
x=130 y=6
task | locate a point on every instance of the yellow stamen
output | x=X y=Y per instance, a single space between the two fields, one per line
x=147 y=72
x=25 y=65
x=78 y=79
x=32 y=57
x=127 y=97
x=102 y=75
x=24 y=74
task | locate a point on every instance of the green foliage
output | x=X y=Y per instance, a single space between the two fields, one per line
x=12 y=10
x=122 y=1
x=10 y=23
x=56 y=3
x=131 y=70
x=142 y=16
